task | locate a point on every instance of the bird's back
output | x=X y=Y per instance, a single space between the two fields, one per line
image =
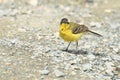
x=77 y=28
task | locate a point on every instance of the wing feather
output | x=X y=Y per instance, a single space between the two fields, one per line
x=76 y=28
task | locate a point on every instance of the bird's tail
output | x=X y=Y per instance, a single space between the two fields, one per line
x=96 y=33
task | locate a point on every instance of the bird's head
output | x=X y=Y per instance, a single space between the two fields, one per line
x=64 y=20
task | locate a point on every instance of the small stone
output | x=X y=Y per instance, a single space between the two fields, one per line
x=117 y=79
x=116 y=57
x=44 y=72
x=67 y=8
x=13 y=13
x=91 y=57
x=109 y=69
x=108 y=10
x=118 y=68
x=85 y=77
x=21 y=30
x=46 y=67
x=87 y=66
x=14 y=41
x=73 y=73
x=107 y=78
x=118 y=74
x=116 y=49
x=106 y=59
x=76 y=67
x=90 y=1
x=95 y=24
x=56 y=59
x=58 y=73
x=73 y=62
x=33 y=2
x=56 y=79
x=114 y=25
x=19 y=53
x=42 y=77
x=105 y=40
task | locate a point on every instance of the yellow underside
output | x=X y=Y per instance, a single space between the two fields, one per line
x=67 y=34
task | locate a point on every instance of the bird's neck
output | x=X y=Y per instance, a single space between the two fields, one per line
x=64 y=26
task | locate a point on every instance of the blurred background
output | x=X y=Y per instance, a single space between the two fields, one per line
x=47 y=14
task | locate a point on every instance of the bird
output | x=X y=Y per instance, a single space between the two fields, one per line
x=72 y=32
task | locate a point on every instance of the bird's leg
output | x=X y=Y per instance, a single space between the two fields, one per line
x=68 y=46
x=76 y=45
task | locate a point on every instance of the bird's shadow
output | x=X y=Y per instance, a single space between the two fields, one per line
x=77 y=52
x=83 y=52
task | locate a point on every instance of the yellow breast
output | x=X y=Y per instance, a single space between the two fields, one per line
x=67 y=35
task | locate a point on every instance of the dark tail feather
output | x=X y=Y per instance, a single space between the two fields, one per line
x=96 y=33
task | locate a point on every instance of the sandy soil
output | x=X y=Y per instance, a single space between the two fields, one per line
x=31 y=49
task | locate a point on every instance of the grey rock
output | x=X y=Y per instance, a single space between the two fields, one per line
x=116 y=57
x=90 y=1
x=42 y=77
x=4 y=12
x=58 y=73
x=114 y=25
x=109 y=68
x=13 y=41
x=96 y=24
x=44 y=72
x=55 y=59
x=46 y=67
x=91 y=57
x=118 y=68
x=87 y=66
x=13 y=12
x=86 y=77
x=33 y=2
x=19 y=53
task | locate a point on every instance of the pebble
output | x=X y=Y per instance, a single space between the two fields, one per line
x=117 y=79
x=91 y=57
x=2 y=13
x=73 y=62
x=116 y=57
x=95 y=24
x=108 y=10
x=106 y=59
x=109 y=67
x=42 y=77
x=44 y=72
x=33 y=2
x=118 y=68
x=90 y=1
x=73 y=73
x=87 y=66
x=85 y=77
x=114 y=25
x=57 y=59
x=116 y=49
x=59 y=73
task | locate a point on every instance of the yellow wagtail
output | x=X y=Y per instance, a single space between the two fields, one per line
x=70 y=31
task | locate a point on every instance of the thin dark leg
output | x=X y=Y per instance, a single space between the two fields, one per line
x=68 y=46
x=76 y=45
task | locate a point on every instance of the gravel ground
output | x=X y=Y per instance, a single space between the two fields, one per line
x=31 y=49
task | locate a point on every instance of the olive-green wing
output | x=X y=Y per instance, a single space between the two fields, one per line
x=76 y=28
